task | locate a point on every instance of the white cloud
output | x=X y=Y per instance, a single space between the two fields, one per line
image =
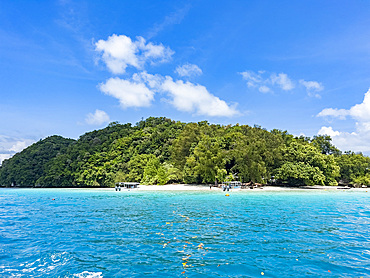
x=312 y=87
x=119 y=52
x=348 y=141
x=355 y=141
x=328 y=131
x=129 y=94
x=18 y=146
x=191 y=97
x=152 y=81
x=152 y=52
x=339 y=113
x=98 y=118
x=188 y=70
x=184 y=96
x=283 y=81
x=10 y=146
x=264 y=89
x=252 y=78
x=266 y=82
x=360 y=112
x=4 y=156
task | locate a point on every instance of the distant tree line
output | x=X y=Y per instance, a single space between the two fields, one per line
x=161 y=151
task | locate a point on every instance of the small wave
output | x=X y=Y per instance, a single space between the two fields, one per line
x=88 y=274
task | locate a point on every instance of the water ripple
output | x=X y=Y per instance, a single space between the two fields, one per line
x=103 y=233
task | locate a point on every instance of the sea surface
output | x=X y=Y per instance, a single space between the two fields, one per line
x=255 y=233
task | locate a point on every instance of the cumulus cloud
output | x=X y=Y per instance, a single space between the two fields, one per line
x=355 y=141
x=120 y=51
x=98 y=118
x=129 y=93
x=191 y=97
x=11 y=145
x=184 y=96
x=312 y=87
x=154 y=53
x=348 y=141
x=268 y=82
x=188 y=70
x=153 y=81
x=282 y=79
x=330 y=112
x=328 y=131
x=360 y=112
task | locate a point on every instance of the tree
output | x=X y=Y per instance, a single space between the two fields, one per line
x=206 y=159
x=28 y=166
x=323 y=144
x=316 y=168
x=184 y=144
x=353 y=166
x=300 y=173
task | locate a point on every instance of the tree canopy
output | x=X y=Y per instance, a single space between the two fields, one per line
x=160 y=151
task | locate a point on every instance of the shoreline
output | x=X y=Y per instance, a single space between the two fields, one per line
x=200 y=187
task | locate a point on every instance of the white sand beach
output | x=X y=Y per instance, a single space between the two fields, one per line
x=198 y=187
x=173 y=187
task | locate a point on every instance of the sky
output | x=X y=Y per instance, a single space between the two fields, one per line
x=69 y=67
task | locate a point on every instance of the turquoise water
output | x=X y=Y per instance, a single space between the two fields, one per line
x=103 y=233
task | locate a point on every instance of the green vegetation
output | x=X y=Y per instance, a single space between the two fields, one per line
x=160 y=151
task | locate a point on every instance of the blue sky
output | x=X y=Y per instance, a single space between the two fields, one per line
x=68 y=67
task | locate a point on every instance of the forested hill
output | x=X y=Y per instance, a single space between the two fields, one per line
x=160 y=151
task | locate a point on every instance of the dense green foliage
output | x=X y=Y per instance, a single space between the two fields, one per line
x=160 y=151
x=27 y=167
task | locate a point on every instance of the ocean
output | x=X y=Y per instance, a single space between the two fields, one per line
x=252 y=233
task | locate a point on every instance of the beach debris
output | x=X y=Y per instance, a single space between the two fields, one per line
x=262 y=273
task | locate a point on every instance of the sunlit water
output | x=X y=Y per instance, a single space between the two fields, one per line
x=103 y=233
